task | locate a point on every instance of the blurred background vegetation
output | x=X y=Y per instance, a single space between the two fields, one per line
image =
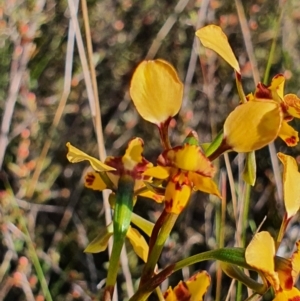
x=44 y=104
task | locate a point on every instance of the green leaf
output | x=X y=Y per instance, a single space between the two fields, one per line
x=214 y=144
x=121 y=222
x=234 y=256
x=99 y=244
x=249 y=173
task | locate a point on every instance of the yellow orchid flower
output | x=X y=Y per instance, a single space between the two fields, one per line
x=263 y=118
x=156 y=91
x=193 y=289
x=291 y=187
x=258 y=121
x=279 y=273
x=132 y=163
x=251 y=125
x=185 y=168
x=289 y=104
x=106 y=176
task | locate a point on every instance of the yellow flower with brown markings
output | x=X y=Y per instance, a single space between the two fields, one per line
x=106 y=176
x=260 y=120
x=185 y=168
x=131 y=163
x=279 y=273
x=193 y=289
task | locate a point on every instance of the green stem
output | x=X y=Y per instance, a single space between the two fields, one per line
x=244 y=225
x=238 y=80
x=121 y=222
x=156 y=229
x=31 y=249
x=234 y=256
x=37 y=265
x=273 y=46
x=245 y=213
x=167 y=226
x=231 y=255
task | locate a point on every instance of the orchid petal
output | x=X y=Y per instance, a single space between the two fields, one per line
x=277 y=85
x=156 y=91
x=198 y=285
x=252 y=125
x=158 y=172
x=138 y=242
x=133 y=158
x=75 y=155
x=291 y=187
x=189 y=158
x=273 y=92
x=99 y=244
x=176 y=197
x=284 y=269
x=132 y=162
x=204 y=184
x=193 y=289
x=152 y=195
x=260 y=255
x=292 y=103
x=142 y=223
x=296 y=262
x=213 y=37
x=288 y=295
x=288 y=134
x=169 y=294
x=94 y=181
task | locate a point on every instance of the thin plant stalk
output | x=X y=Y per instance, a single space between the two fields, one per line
x=60 y=109
x=100 y=141
x=243 y=221
x=31 y=248
x=153 y=257
x=221 y=233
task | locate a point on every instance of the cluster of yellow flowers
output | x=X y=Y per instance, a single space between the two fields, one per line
x=156 y=91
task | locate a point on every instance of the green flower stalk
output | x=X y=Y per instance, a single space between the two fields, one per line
x=125 y=177
x=121 y=222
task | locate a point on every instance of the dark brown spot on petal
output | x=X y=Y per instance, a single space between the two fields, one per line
x=289 y=282
x=291 y=141
x=89 y=179
x=262 y=91
x=169 y=205
x=182 y=292
x=166 y=294
x=238 y=76
x=288 y=118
